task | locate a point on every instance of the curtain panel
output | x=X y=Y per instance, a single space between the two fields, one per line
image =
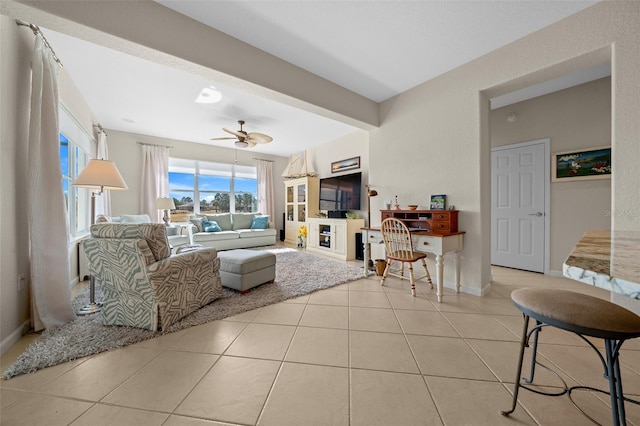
x=103 y=201
x=266 y=197
x=155 y=179
x=46 y=212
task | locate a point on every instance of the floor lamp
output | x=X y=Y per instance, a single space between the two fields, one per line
x=99 y=175
x=370 y=193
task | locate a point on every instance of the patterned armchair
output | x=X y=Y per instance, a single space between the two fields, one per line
x=143 y=285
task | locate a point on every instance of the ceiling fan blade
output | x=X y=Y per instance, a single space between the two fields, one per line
x=251 y=143
x=234 y=132
x=259 y=137
x=220 y=139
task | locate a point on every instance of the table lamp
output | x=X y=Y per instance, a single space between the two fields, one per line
x=166 y=204
x=100 y=175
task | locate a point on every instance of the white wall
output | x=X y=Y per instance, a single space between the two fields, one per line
x=574 y=118
x=127 y=155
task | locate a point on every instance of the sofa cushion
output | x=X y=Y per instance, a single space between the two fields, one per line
x=253 y=233
x=223 y=219
x=215 y=236
x=242 y=220
x=260 y=222
x=197 y=222
x=210 y=226
x=135 y=218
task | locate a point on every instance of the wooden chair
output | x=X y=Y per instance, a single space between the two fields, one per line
x=399 y=248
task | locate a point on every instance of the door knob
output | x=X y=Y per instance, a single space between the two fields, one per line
x=536 y=214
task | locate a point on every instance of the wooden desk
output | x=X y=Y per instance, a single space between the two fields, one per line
x=426 y=242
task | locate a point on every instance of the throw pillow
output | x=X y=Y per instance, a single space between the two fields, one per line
x=210 y=226
x=197 y=222
x=260 y=222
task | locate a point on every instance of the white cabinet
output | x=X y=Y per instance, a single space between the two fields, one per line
x=301 y=201
x=334 y=237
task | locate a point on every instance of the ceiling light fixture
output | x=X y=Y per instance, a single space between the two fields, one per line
x=208 y=95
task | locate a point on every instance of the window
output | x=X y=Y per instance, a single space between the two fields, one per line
x=209 y=188
x=75 y=144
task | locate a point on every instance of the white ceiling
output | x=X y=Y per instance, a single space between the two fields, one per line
x=377 y=49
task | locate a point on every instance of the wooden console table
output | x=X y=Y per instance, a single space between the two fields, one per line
x=427 y=242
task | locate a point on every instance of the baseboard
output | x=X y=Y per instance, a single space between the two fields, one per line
x=11 y=339
x=468 y=290
x=556 y=274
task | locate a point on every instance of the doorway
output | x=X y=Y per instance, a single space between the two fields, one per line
x=520 y=198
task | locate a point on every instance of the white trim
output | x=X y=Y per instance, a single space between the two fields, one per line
x=547 y=191
x=75 y=132
x=12 y=338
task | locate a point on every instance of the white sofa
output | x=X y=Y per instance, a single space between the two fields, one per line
x=235 y=231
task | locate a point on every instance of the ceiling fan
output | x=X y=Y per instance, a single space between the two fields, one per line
x=244 y=139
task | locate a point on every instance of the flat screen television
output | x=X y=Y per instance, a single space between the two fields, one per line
x=341 y=192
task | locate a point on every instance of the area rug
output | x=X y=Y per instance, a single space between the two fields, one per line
x=297 y=273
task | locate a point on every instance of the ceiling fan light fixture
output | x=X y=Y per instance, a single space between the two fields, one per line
x=242 y=144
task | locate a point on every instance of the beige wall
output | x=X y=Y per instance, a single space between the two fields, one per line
x=575 y=118
x=435 y=137
x=15 y=56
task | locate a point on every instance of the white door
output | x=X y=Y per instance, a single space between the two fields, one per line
x=519 y=194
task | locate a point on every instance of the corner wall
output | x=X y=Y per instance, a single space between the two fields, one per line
x=434 y=139
x=16 y=47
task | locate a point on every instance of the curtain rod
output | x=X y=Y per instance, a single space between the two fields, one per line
x=100 y=129
x=36 y=30
x=263 y=159
x=154 y=144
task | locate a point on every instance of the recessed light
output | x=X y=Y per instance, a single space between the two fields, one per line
x=209 y=95
x=128 y=120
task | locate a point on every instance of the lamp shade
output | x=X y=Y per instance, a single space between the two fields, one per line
x=102 y=174
x=165 y=203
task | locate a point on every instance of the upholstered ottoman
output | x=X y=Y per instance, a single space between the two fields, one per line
x=244 y=269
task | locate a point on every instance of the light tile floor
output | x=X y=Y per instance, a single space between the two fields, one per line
x=356 y=354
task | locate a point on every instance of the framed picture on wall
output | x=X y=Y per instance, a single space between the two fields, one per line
x=343 y=165
x=585 y=164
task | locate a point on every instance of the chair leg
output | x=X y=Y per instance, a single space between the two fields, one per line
x=523 y=344
x=411 y=280
x=615 y=383
x=384 y=274
x=424 y=264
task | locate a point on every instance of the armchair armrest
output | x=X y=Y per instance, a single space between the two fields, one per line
x=184 y=282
